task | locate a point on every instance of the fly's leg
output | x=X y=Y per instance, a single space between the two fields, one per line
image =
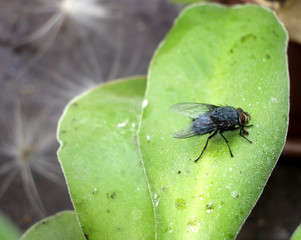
x=221 y=133
x=242 y=132
x=212 y=135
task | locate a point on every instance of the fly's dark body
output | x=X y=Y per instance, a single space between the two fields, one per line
x=211 y=119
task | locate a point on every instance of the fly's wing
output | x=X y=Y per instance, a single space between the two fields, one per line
x=186 y=132
x=193 y=110
x=204 y=124
x=200 y=126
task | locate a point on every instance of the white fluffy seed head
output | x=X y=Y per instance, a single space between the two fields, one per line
x=82 y=9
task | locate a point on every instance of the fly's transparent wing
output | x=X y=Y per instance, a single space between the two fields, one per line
x=186 y=132
x=193 y=110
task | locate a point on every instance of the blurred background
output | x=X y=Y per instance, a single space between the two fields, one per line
x=53 y=50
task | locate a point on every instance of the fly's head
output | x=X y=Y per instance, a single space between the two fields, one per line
x=244 y=117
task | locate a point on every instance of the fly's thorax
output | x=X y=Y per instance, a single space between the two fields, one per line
x=244 y=117
x=225 y=117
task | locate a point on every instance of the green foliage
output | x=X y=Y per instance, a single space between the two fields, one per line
x=62 y=226
x=8 y=231
x=297 y=234
x=225 y=56
x=101 y=162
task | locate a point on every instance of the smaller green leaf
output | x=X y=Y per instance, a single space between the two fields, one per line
x=101 y=162
x=62 y=226
x=8 y=231
x=297 y=234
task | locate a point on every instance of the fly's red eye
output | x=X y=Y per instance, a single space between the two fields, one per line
x=247 y=116
x=244 y=117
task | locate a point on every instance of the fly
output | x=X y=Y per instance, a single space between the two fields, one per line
x=211 y=119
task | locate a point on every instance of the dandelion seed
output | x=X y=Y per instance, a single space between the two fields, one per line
x=65 y=88
x=26 y=147
x=80 y=12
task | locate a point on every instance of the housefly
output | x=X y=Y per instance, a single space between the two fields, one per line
x=211 y=119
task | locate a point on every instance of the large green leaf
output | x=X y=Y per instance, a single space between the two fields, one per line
x=225 y=56
x=101 y=162
x=62 y=226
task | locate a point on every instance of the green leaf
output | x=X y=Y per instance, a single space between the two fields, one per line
x=101 y=162
x=225 y=56
x=297 y=234
x=8 y=231
x=62 y=226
